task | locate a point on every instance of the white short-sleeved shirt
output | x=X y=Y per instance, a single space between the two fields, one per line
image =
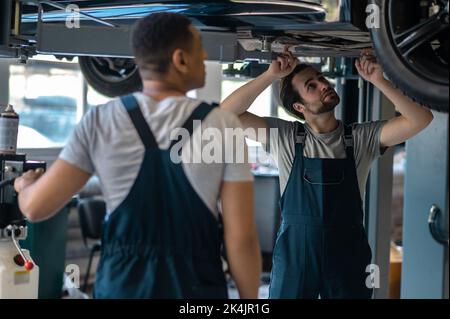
x=106 y=143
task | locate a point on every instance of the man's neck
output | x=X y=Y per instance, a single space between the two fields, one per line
x=325 y=123
x=159 y=90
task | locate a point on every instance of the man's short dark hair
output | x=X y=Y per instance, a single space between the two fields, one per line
x=157 y=36
x=290 y=95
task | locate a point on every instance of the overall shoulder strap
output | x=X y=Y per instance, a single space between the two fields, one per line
x=131 y=105
x=301 y=134
x=348 y=140
x=199 y=114
x=300 y=139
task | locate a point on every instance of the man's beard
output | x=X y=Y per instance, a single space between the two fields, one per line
x=327 y=105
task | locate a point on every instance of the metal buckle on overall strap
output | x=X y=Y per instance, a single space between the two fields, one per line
x=301 y=134
x=348 y=140
x=300 y=138
x=348 y=137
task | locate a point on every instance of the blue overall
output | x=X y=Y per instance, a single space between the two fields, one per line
x=162 y=241
x=321 y=247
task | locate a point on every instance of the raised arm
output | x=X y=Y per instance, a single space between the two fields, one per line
x=241 y=239
x=414 y=117
x=241 y=99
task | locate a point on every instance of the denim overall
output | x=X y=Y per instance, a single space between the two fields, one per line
x=162 y=241
x=321 y=247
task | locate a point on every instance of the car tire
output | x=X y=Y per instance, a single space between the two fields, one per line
x=111 y=77
x=416 y=65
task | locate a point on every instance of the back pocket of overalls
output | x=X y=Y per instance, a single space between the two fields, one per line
x=316 y=177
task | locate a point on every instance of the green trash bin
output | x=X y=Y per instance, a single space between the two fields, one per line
x=46 y=242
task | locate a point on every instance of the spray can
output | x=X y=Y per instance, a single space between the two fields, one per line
x=9 y=128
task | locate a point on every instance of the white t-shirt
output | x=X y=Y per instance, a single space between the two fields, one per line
x=106 y=143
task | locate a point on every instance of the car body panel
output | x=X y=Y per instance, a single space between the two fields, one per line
x=229 y=15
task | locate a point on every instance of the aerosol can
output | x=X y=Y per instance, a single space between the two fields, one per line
x=9 y=127
x=19 y=275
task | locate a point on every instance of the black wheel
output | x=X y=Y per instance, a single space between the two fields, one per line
x=412 y=46
x=111 y=76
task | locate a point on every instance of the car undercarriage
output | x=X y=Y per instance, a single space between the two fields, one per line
x=234 y=30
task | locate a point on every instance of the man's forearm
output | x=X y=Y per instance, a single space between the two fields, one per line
x=241 y=99
x=245 y=265
x=40 y=198
x=414 y=113
x=35 y=208
x=25 y=200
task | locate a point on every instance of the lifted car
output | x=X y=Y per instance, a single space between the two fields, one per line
x=412 y=48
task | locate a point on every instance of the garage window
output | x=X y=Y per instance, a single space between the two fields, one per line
x=47 y=95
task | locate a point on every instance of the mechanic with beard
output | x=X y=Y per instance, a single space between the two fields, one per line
x=322 y=248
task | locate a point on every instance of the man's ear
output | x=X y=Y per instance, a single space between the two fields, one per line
x=299 y=107
x=179 y=61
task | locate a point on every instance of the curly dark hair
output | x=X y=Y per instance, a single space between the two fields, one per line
x=156 y=37
x=289 y=95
